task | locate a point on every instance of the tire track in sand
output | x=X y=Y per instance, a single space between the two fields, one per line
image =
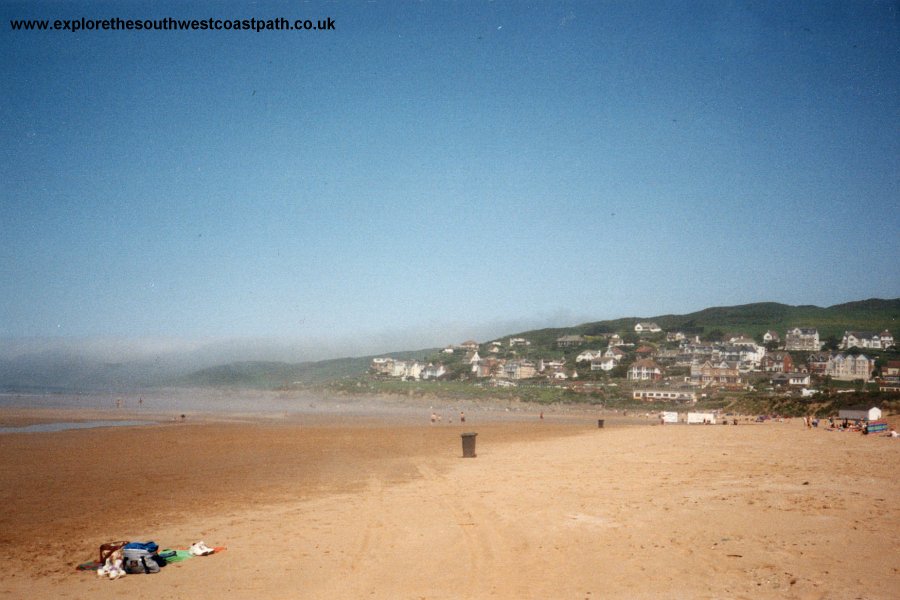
x=473 y=522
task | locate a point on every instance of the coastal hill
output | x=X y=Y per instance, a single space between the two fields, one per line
x=749 y=319
x=69 y=372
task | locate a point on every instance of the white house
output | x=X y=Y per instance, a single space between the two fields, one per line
x=614 y=352
x=791 y=379
x=433 y=371
x=803 y=339
x=866 y=339
x=643 y=370
x=798 y=378
x=407 y=369
x=383 y=365
x=588 y=355
x=604 y=363
x=469 y=345
x=647 y=327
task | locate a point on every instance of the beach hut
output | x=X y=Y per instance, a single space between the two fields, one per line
x=860 y=413
x=669 y=416
x=701 y=417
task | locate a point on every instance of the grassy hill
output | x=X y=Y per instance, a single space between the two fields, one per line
x=270 y=375
x=749 y=319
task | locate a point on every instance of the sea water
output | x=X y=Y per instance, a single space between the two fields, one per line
x=62 y=426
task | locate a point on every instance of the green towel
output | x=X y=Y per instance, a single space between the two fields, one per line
x=180 y=555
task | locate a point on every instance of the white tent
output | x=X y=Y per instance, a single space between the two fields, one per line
x=698 y=417
x=669 y=416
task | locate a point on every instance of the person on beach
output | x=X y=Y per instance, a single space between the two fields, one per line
x=462 y=417
x=433 y=418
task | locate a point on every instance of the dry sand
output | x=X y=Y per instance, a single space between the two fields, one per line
x=358 y=508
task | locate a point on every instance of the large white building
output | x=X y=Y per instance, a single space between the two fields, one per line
x=802 y=339
x=848 y=367
x=867 y=339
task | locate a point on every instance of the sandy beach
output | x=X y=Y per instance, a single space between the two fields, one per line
x=325 y=506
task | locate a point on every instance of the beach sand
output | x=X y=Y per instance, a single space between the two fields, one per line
x=327 y=507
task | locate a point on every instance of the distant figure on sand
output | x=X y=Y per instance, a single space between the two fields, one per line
x=462 y=417
x=433 y=418
x=542 y=415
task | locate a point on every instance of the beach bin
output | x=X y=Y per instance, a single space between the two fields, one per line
x=468 y=444
x=599 y=423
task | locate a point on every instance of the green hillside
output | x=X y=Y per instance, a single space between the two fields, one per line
x=749 y=319
x=269 y=375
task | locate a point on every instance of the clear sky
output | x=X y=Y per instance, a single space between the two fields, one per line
x=433 y=171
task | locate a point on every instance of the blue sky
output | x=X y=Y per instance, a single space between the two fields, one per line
x=429 y=172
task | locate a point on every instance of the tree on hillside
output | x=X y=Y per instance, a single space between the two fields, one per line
x=619 y=372
x=716 y=335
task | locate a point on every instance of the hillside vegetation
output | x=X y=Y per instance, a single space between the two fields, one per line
x=748 y=319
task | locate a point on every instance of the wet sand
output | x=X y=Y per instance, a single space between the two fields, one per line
x=321 y=506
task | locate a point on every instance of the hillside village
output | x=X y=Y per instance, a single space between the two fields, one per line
x=647 y=363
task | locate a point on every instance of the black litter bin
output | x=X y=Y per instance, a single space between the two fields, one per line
x=599 y=423
x=468 y=443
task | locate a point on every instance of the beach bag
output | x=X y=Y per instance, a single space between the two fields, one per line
x=142 y=558
x=107 y=549
x=139 y=561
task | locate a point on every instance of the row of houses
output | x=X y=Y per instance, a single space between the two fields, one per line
x=798 y=339
x=804 y=339
x=706 y=373
x=406 y=369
